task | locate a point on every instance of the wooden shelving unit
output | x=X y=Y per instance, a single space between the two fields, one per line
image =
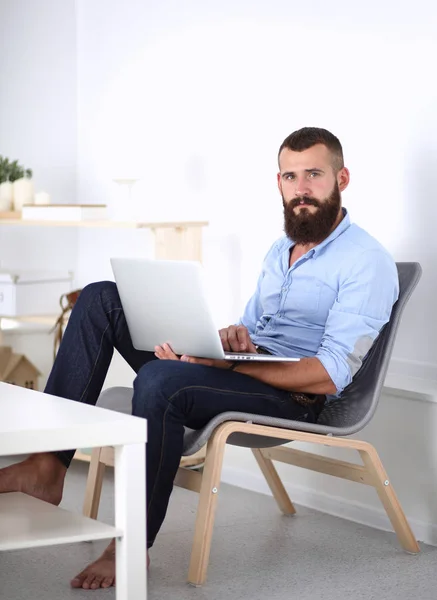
x=177 y=240
x=107 y=224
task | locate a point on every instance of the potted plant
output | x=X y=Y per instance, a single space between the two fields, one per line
x=16 y=187
x=6 y=189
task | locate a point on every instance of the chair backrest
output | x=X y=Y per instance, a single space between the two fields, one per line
x=358 y=403
x=345 y=416
x=359 y=400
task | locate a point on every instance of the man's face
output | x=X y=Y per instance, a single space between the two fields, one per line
x=311 y=193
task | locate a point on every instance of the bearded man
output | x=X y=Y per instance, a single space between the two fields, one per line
x=325 y=291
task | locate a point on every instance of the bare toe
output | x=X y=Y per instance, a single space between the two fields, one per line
x=95 y=583
x=108 y=582
x=100 y=573
x=79 y=579
x=76 y=582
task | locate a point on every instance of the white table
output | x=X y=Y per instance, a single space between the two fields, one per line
x=35 y=422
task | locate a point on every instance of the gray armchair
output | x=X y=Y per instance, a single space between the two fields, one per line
x=266 y=436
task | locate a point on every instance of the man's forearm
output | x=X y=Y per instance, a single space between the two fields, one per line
x=307 y=375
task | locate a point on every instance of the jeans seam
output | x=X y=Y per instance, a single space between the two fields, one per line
x=160 y=461
x=98 y=354
x=213 y=389
x=170 y=403
x=112 y=310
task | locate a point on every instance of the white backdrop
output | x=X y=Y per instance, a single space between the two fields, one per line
x=194 y=98
x=38 y=123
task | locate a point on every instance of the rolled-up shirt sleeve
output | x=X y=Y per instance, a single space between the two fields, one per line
x=363 y=306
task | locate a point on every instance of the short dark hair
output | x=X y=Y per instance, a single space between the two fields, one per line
x=307 y=137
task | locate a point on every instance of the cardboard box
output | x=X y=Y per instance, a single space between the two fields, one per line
x=32 y=293
x=17 y=369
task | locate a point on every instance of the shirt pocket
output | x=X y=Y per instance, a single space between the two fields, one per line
x=305 y=302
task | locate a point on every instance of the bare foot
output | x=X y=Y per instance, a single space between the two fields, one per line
x=40 y=475
x=100 y=573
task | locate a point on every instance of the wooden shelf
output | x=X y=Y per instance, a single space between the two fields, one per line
x=26 y=522
x=43 y=319
x=108 y=224
x=173 y=240
x=27 y=324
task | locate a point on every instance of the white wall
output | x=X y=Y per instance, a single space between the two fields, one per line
x=38 y=122
x=194 y=98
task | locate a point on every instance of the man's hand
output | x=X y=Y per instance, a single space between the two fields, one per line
x=236 y=338
x=207 y=362
x=165 y=352
x=307 y=376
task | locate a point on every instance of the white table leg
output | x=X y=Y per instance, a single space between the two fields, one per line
x=130 y=517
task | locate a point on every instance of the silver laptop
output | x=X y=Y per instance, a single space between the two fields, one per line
x=165 y=301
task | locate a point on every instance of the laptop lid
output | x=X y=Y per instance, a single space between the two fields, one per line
x=165 y=301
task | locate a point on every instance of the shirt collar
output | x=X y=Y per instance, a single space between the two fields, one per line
x=341 y=227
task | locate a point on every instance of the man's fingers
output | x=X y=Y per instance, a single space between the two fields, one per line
x=224 y=338
x=234 y=344
x=197 y=361
x=165 y=352
x=236 y=338
x=243 y=338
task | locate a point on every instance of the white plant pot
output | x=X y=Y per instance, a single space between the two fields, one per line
x=6 y=196
x=23 y=193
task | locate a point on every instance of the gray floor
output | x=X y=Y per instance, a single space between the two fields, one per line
x=257 y=553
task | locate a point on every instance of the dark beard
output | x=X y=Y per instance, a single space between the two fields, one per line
x=307 y=228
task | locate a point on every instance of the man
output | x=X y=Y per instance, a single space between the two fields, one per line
x=325 y=291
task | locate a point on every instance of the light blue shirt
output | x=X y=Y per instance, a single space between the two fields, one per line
x=331 y=303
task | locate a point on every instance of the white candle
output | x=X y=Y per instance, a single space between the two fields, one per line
x=42 y=198
x=23 y=193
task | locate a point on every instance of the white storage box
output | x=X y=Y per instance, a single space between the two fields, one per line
x=29 y=293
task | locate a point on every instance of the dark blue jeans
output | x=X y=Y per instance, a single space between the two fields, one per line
x=169 y=394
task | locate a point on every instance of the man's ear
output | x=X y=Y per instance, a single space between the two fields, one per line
x=343 y=178
x=279 y=182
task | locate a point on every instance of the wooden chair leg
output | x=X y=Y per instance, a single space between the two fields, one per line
x=194 y=460
x=274 y=481
x=104 y=457
x=389 y=499
x=94 y=484
x=206 y=509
